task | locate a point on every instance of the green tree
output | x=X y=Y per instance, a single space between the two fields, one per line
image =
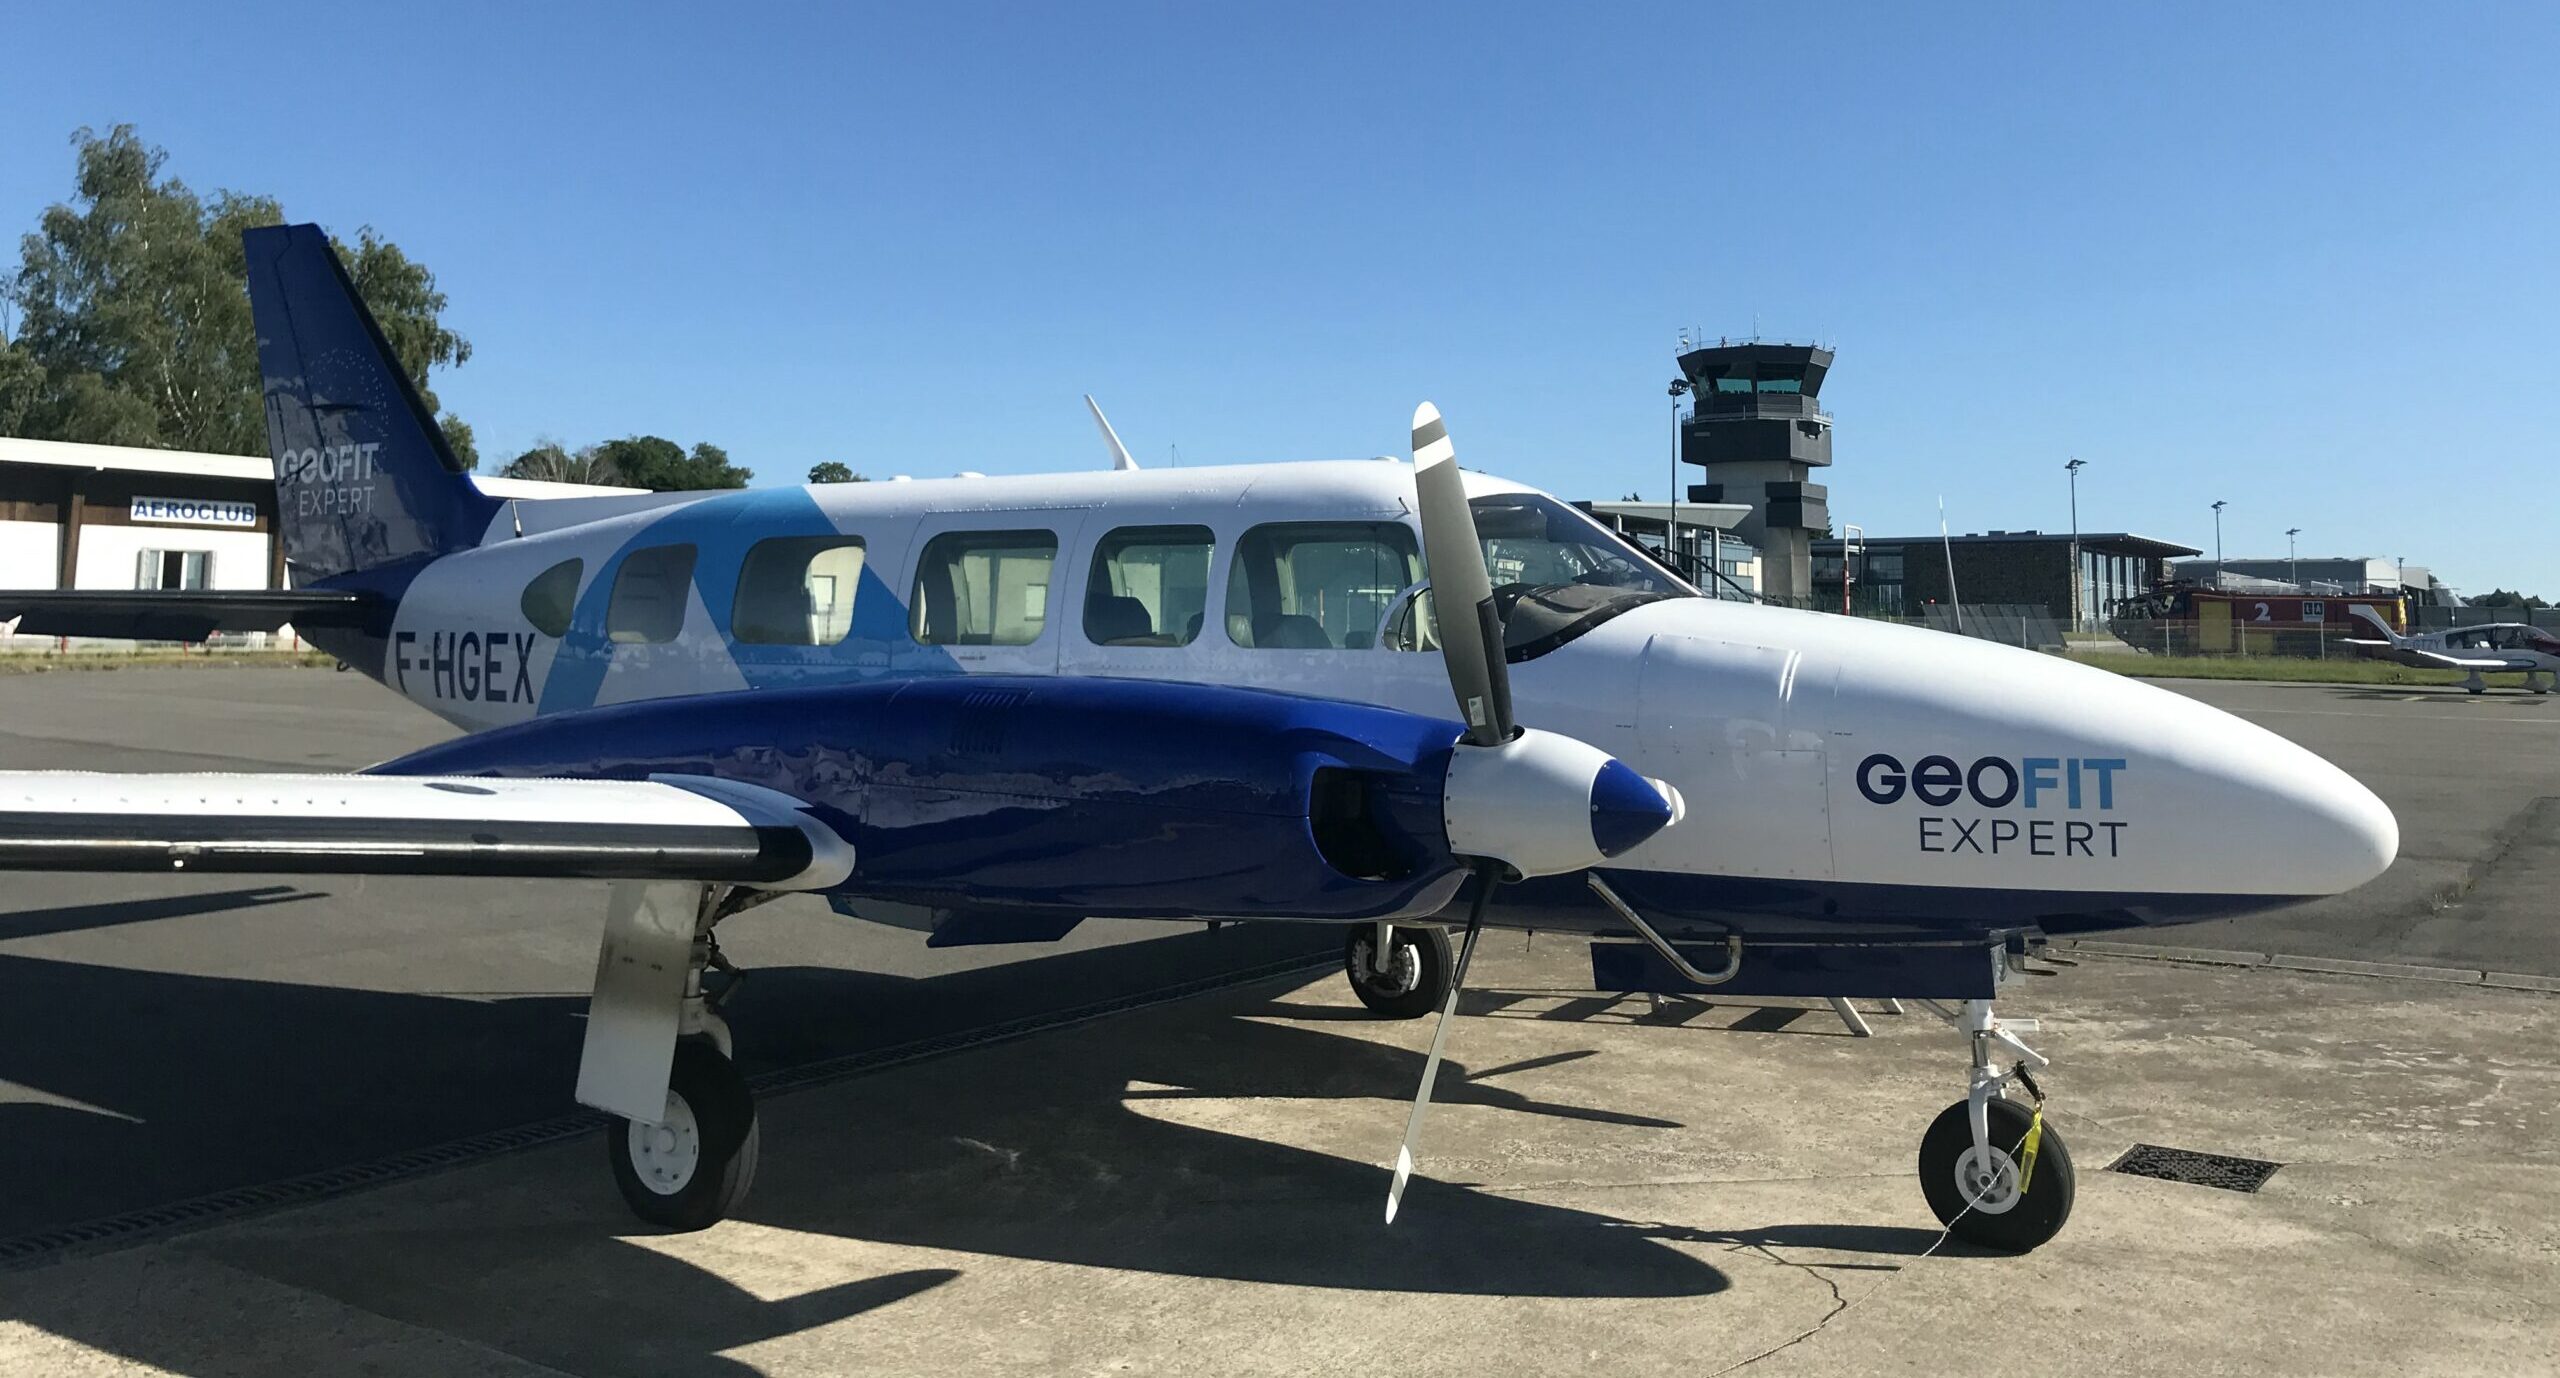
x=2508 y=598
x=552 y=462
x=134 y=311
x=834 y=471
x=660 y=465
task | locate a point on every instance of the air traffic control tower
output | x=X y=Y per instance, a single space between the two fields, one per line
x=1757 y=428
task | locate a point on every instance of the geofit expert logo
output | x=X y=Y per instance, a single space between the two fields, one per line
x=1986 y=800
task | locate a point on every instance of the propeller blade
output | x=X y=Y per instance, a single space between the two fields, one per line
x=1461 y=591
x=1487 y=876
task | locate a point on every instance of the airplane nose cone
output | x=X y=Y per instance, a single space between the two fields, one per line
x=1625 y=809
x=2351 y=835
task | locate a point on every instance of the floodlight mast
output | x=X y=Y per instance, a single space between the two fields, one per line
x=2073 y=469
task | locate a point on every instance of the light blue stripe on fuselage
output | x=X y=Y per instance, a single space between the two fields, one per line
x=722 y=529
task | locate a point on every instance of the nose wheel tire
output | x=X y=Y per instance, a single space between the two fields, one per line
x=691 y=1168
x=1416 y=976
x=2007 y=1214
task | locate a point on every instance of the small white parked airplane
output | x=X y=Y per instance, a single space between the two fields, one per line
x=2487 y=649
x=994 y=708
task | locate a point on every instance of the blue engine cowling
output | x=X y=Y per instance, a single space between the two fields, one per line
x=1070 y=797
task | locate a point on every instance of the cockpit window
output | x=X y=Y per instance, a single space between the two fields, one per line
x=1556 y=574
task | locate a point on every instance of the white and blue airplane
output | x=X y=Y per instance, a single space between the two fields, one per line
x=2481 y=649
x=993 y=708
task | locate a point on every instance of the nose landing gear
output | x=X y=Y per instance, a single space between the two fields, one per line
x=1995 y=1172
x=1399 y=972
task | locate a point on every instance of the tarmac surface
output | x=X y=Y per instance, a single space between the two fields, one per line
x=1194 y=1186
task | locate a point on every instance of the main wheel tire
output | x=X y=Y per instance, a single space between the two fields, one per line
x=2003 y=1218
x=689 y=1170
x=1417 y=977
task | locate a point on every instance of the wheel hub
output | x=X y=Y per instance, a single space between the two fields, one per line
x=1404 y=968
x=664 y=1155
x=1988 y=1179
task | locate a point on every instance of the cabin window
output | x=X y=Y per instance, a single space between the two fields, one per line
x=1317 y=585
x=649 y=595
x=797 y=591
x=983 y=588
x=1150 y=586
x=553 y=596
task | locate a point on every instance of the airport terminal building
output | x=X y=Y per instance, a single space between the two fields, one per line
x=1901 y=576
x=117 y=517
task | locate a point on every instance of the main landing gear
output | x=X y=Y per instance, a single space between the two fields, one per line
x=1995 y=1172
x=1399 y=972
x=658 y=1055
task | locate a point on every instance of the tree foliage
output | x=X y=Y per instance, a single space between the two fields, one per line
x=133 y=308
x=660 y=465
x=637 y=461
x=2508 y=598
x=835 y=471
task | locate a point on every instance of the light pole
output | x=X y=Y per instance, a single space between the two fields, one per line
x=2292 y=561
x=2073 y=469
x=2218 y=505
x=1671 y=528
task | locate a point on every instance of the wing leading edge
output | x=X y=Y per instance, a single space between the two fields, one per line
x=673 y=827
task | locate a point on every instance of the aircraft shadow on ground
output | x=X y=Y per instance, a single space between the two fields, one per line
x=82 y=918
x=181 y=1085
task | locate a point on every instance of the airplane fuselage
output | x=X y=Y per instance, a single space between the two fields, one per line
x=1843 y=778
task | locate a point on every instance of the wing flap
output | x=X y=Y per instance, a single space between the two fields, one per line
x=671 y=828
x=177 y=615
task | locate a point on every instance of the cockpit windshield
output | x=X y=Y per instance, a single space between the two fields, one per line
x=1556 y=574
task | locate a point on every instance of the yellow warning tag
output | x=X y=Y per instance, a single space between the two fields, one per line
x=2027 y=1150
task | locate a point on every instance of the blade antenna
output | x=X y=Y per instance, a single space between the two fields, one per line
x=1120 y=457
x=1488 y=875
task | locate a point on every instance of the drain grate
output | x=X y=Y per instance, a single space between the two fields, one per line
x=2195 y=1169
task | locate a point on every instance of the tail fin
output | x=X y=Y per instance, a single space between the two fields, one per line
x=2366 y=611
x=363 y=476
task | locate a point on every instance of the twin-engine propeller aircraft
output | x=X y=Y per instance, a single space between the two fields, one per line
x=993 y=709
x=2488 y=649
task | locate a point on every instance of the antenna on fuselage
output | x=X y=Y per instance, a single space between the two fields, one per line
x=1120 y=457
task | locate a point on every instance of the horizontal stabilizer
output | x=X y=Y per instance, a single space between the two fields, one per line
x=672 y=828
x=179 y=615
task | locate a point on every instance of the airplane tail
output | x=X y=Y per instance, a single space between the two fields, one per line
x=2367 y=613
x=364 y=478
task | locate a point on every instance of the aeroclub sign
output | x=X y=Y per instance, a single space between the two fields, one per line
x=194 y=512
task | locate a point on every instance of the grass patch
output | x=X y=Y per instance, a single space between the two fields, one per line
x=48 y=662
x=2339 y=670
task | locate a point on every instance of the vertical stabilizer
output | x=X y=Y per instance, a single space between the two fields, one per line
x=363 y=476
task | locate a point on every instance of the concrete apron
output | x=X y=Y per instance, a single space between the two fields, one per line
x=1196 y=1189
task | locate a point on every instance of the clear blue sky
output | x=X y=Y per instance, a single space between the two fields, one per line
x=2298 y=257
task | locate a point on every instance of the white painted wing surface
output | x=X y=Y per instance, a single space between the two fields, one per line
x=673 y=827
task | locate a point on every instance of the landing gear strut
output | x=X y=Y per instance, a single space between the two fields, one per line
x=1400 y=973
x=684 y=1141
x=1995 y=1171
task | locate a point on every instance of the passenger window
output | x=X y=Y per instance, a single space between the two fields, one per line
x=1150 y=586
x=650 y=594
x=552 y=596
x=983 y=588
x=1317 y=585
x=797 y=591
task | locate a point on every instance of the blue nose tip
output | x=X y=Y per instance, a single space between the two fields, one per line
x=1625 y=810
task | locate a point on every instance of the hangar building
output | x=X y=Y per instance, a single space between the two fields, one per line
x=117 y=517
x=1899 y=576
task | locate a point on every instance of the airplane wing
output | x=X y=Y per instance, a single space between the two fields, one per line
x=176 y=615
x=671 y=827
x=2453 y=662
